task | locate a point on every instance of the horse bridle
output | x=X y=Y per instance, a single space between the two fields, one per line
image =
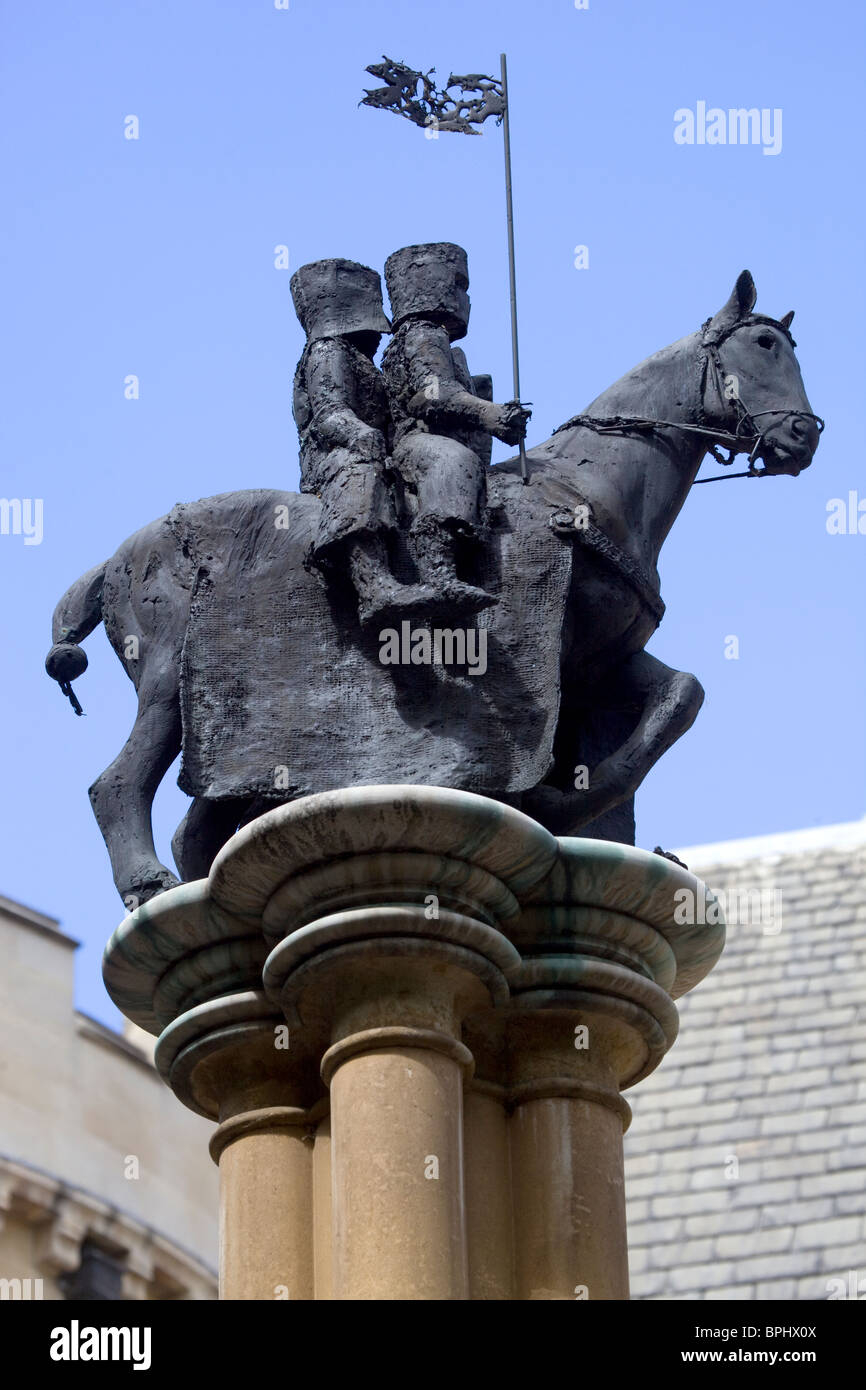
x=746 y=430
x=746 y=434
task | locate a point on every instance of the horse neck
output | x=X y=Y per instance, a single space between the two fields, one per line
x=666 y=386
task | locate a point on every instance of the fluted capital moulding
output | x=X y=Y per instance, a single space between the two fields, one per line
x=379 y=872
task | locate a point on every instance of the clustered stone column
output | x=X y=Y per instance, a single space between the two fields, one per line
x=412 y=1012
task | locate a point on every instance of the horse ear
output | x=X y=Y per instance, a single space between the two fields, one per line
x=745 y=293
x=740 y=304
x=788 y=319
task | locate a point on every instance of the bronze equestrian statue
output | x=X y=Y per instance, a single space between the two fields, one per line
x=253 y=662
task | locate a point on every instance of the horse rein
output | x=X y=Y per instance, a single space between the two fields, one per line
x=735 y=443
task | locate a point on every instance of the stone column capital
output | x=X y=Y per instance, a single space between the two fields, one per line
x=603 y=935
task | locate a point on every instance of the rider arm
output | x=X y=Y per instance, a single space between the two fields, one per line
x=482 y=383
x=331 y=387
x=438 y=394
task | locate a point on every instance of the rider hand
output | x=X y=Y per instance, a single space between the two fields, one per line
x=510 y=421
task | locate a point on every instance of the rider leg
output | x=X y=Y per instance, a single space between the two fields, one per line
x=381 y=599
x=447 y=480
x=357 y=513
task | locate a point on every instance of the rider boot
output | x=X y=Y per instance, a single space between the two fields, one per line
x=435 y=548
x=381 y=599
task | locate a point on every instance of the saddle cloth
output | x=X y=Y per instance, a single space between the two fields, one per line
x=283 y=695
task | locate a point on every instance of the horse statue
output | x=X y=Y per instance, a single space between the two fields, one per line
x=255 y=667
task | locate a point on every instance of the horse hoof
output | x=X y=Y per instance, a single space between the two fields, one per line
x=142 y=890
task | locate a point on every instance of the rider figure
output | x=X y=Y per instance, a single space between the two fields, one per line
x=440 y=420
x=341 y=411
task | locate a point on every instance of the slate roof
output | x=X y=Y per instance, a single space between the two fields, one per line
x=746 y=1157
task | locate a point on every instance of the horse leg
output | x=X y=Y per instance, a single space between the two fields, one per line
x=205 y=828
x=123 y=795
x=668 y=702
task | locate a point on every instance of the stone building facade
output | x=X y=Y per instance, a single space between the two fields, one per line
x=106 y=1186
x=746 y=1156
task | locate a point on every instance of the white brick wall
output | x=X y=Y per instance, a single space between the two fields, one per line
x=746 y=1157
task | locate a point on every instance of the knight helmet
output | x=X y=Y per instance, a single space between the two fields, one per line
x=430 y=280
x=336 y=297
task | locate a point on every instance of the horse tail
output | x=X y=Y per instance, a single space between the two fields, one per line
x=75 y=617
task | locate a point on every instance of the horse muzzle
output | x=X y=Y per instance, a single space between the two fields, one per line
x=789 y=446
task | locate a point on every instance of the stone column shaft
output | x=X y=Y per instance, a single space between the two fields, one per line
x=489 y=1221
x=265 y=1215
x=569 y=1201
x=323 y=1228
x=398 y=1207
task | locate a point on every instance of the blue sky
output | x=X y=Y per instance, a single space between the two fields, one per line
x=156 y=257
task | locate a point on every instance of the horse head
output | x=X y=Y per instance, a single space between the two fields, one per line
x=754 y=389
